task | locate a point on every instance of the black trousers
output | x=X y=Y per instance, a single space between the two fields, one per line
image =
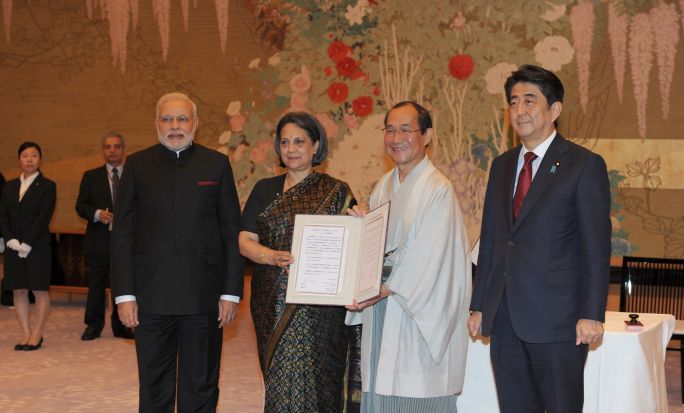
x=535 y=377
x=178 y=355
x=98 y=280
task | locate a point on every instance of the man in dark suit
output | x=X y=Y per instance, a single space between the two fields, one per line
x=5 y=295
x=543 y=268
x=2 y=240
x=177 y=273
x=95 y=205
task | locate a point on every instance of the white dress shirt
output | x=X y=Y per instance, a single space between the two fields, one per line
x=25 y=183
x=119 y=170
x=540 y=151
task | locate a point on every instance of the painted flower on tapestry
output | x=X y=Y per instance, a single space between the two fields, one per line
x=237 y=122
x=301 y=82
x=376 y=90
x=553 y=52
x=238 y=153
x=254 y=64
x=615 y=223
x=259 y=154
x=458 y=22
x=328 y=71
x=233 y=108
x=351 y=121
x=274 y=60
x=338 y=50
x=331 y=128
x=355 y=14
x=461 y=66
x=346 y=67
x=224 y=138
x=298 y=102
x=555 y=12
x=362 y=106
x=338 y=92
x=496 y=77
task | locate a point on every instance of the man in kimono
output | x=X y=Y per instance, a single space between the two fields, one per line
x=414 y=333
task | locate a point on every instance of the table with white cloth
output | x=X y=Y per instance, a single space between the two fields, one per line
x=625 y=371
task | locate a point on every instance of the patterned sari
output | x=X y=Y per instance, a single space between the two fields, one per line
x=302 y=348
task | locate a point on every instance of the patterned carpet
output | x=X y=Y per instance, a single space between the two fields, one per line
x=70 y=375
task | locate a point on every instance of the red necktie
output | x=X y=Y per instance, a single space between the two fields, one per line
x=524 y=183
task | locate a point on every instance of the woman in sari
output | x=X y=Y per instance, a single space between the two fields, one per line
x=302 y=348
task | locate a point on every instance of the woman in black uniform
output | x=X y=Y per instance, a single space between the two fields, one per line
x=25 y=210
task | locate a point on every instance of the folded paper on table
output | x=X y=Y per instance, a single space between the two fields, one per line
x=338 y=259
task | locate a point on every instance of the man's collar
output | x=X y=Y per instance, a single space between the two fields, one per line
x=183 y=153
x=110 y=167
x=541 y=149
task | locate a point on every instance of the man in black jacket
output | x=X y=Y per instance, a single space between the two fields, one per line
x=95 y=204
x=177 y=273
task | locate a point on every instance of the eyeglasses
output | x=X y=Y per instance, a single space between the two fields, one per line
x=182 y=119
x=404 y=131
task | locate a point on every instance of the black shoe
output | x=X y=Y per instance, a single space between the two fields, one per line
x=20 y=347
x=124 y=332
x=31 y=347
x=90 y=333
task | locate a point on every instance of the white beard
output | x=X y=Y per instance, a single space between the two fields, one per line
x=176 y=145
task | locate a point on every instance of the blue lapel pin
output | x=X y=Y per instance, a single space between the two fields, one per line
x=554 y=167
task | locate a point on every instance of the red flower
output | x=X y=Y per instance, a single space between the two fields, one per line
x=362 y=106
x=358 y=75
x=328 y=71
x=346 y=67
x=338 y=50
x=461 y=66
x=376 y=90
x=338 y=92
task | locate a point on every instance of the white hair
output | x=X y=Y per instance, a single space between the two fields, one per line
x=176 y=96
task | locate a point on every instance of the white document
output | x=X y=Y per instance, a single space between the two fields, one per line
x=338 y=259
x=321 y=270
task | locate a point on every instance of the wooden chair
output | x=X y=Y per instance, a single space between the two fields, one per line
x=655 y=285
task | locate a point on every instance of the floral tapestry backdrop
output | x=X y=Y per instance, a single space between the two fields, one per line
x=78 y=68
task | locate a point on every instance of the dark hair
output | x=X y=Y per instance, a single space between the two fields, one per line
x=549 y=84
x=424 y=118
x=313 y=129
x=28 y=144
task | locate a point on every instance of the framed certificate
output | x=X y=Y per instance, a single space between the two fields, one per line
x=338 y=258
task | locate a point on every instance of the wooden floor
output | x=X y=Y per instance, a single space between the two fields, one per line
x=70 y=375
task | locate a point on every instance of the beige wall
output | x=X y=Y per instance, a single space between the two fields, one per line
x=63 y=89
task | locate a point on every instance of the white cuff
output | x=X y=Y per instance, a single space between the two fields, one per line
x=124 y=298
x=2 y=245
x=233 y=298
x=13 y=244
x=97 y=215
